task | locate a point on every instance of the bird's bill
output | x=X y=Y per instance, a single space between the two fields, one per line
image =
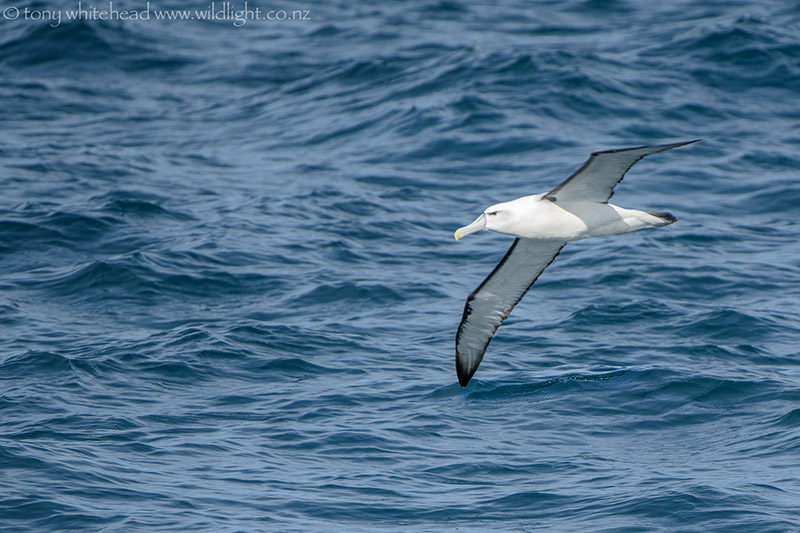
x=477 y=225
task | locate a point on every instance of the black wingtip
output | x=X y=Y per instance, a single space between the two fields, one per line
x=464 y=373
x=666 y=218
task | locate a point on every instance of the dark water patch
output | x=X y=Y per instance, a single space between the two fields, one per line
x=790 y=419
x=674 y=399
x=474 y=112
x=402 y=182
x=685 y=508
x=520 y=502
x=16 y=235
x=45 y=513
x=742 y=55
x=368 y=71
x=80 y=427
x=433 y=76
x=747 y=354
x=642 y=311
x=559 y=385
x=214 y=282
x=779 y=200
x=14 y=457
x=291 y=368
x=352 y=127
x=767 y=159
x=75 y=171
x=457 y=148
x=363 y=293
x=413 y=122
x=244 y=352
x=343 y=252
x=74 y=224
x=473 y=472
x=701 y=282
x=748 y=42
x=85 y=47
x=698 y=238
x=728 y=326
x=234 y=400
x=326 y=30
x=98 y=279
x=505 y=392
x=733 y=392
x=445 y=9
x=335 y=443
x=361 y=208
x=768 y=444
x=284 y=340
x=210 y=255
x=348 y=75
x=178 y=338
x=145 y=277
x=42 y=44
x=36 y=363
x=176 y=368
x=136 y=208
x=279 y=69
x=34 y=228
x=133 y=203
x=9 y=313
x=601 y=7
x=694 y=111
x=351 y=510
x=212 y=355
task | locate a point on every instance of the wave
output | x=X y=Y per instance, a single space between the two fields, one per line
x=741 y=54
x=87 y=46
x=147 y=278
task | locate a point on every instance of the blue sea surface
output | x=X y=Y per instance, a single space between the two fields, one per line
x=229 y=287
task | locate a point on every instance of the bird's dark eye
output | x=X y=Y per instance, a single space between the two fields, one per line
x=492 y=213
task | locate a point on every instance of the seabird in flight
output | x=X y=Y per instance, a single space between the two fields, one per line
x=543 y=224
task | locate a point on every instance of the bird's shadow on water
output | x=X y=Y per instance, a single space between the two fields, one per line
x=483 y=390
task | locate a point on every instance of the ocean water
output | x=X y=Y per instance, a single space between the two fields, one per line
x=229 y=289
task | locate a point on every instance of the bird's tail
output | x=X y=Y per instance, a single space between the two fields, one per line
x=664 y=219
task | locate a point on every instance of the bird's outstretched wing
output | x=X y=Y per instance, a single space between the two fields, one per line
x=596 y=179
x=489 y=305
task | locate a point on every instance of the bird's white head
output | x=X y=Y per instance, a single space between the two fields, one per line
x=499 y=218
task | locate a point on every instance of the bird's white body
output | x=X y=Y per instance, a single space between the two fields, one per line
x=537 y=217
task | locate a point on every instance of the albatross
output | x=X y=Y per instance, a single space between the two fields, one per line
x=542 y=224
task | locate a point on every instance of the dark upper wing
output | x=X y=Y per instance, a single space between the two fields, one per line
x=595 y=180
x=489 y=305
